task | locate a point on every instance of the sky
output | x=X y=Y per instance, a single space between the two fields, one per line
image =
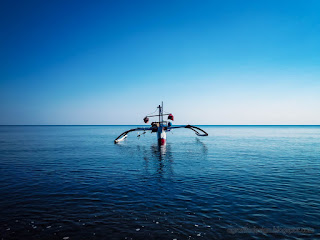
x=113 y=62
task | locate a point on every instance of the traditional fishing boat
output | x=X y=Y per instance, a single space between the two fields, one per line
x=160 y=127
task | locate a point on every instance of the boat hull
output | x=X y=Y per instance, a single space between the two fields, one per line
x=162 y=136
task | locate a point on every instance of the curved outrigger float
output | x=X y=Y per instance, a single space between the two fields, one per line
x=160 y=127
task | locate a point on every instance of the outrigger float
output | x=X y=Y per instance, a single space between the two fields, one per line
x=160 y=127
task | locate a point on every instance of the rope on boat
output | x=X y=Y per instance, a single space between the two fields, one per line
x=152 y=112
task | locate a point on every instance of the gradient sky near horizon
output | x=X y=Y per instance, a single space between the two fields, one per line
x=113 y=62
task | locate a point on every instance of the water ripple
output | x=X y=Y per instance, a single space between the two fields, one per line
x=74 y=183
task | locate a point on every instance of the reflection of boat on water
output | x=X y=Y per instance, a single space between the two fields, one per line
x=200 y=143
x=161 y=127
x=159 y=151
x=160 y=160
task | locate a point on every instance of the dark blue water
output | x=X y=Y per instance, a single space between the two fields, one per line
x=73 y=182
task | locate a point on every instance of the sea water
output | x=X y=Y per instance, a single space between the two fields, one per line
x=240 y=182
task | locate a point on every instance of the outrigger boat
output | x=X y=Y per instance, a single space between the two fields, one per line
x=160 y=127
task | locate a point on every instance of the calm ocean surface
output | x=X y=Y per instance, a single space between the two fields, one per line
x=73 y=182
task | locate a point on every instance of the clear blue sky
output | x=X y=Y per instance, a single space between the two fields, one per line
x=112 y=62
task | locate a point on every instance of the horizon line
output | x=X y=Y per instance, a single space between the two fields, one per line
x=2 y=125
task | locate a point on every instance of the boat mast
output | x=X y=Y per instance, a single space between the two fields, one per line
x=162 y=112
x=159 y=113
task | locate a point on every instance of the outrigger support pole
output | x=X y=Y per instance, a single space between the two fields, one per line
x=197 y=130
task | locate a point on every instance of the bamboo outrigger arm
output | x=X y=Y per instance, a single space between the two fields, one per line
x=123 y=136
x=197 y=130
